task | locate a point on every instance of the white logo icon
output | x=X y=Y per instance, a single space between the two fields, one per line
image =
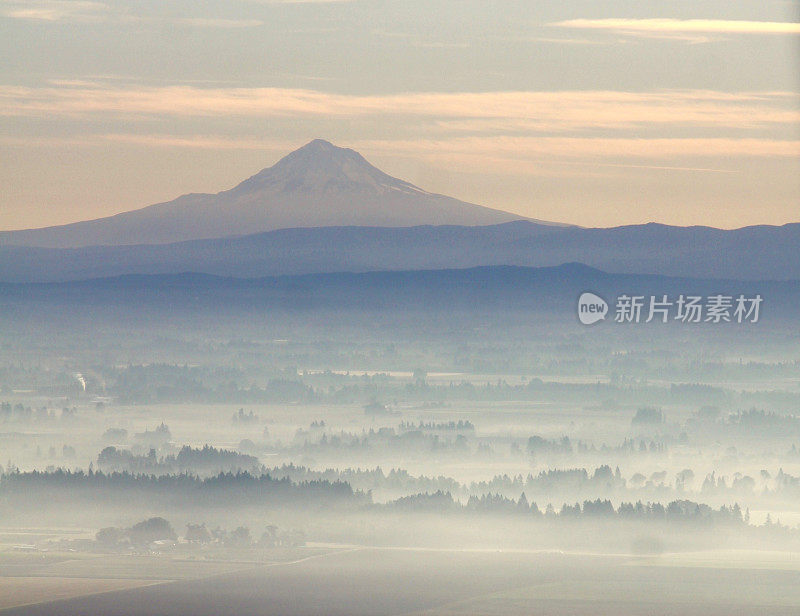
x=591 y=308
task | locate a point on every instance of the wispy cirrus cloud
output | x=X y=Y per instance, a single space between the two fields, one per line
x=650 y=27
x=544 y=111
x=79 y=11
x=527 y=132
x=504 y=147
x=546 y=156
x=54 y=10
x=598 y=147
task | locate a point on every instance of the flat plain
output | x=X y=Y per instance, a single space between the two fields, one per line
x=443 y=582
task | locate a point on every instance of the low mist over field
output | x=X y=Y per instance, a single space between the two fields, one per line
x=380 y=422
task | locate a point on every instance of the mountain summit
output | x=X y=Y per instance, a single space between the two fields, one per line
x=318 y=185
x=324 y=168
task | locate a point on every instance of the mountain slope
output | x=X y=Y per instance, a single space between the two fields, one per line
x=318 y=185
x=756 y=253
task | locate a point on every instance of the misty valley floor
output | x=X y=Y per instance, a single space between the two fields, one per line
x=482 y=435
x=375 y=582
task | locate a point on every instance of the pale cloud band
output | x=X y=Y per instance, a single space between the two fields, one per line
x=505 y=149
x=53 y=10
x=476 y=111
x=682 y=26
x=91 y=11
x=501 y=130
x=476 y=147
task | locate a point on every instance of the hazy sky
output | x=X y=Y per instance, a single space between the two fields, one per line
x=599 y=114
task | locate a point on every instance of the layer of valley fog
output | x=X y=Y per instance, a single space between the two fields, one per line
x=162 y=448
